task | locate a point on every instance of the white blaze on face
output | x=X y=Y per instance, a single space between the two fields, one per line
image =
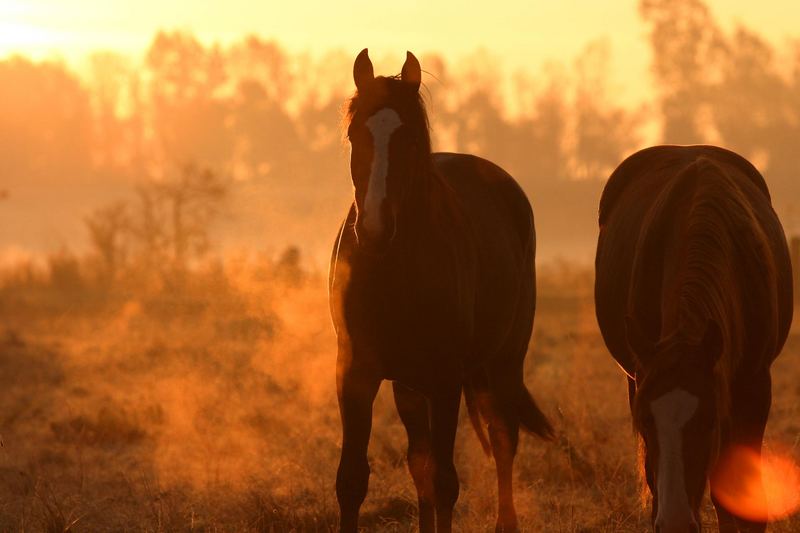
x=382 y=124
x=670 y=413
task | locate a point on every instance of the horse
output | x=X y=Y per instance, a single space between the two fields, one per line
x=693 y=297
x=432 y=286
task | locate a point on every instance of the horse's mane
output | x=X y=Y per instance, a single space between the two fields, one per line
x=691 y=217
x=711 y=219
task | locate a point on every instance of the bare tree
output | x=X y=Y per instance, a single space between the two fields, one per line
x=172 y=218
x=164 y=229
x=687 y=48
x=109 y=232
x=604 y=133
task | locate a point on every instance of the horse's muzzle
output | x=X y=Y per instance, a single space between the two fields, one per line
x=374 y=242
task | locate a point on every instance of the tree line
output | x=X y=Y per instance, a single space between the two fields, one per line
x=267 y=123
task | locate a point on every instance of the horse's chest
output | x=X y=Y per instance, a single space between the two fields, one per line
x=402 y=314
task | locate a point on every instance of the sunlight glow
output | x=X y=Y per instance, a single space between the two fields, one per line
x=737 y=479
x=519 y=35
x=16 y=36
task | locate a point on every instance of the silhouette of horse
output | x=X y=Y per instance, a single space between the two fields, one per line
x=432 y=286
x=693 y=297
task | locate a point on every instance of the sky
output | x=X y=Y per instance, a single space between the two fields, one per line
x=521 y=34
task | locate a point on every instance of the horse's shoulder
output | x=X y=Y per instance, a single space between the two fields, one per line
x=475 y=180
x=671 y=158
x=631 y=169
x=746 y=169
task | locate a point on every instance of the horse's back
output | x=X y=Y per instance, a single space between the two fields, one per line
x=500 y=220
x=636 y=201
x=484 y=186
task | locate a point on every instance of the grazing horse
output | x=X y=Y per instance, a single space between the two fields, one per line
x=432 y=286
x=693 y=297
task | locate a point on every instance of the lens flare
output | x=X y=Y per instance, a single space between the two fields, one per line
x=764 y=488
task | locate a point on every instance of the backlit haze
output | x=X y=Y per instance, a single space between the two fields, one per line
x=524 y=35
x=540 y=65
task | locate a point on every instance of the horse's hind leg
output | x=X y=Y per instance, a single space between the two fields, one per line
x=504 y=436
x=444 y=422
x=356 y=391
x=413 y=410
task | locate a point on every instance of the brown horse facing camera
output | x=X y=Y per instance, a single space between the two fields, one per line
x=432 y=286
x=693 y=296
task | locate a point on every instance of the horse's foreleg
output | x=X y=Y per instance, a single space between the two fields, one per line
x=748 y=425
x=413 y=410
x=444 y=422
x=356 y=391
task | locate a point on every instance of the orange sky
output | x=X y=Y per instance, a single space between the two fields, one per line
x=522 y=33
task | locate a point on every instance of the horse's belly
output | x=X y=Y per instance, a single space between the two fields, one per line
x=410 y=345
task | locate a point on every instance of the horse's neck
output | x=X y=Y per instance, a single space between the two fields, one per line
x=433 y=221
x=426 y=193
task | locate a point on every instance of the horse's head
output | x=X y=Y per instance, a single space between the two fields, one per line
x=390 y=144
x=675 y=412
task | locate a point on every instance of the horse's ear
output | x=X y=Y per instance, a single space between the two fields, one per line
x=712 y=341
x=363 y=74
x=638 y=340
x=412 y=72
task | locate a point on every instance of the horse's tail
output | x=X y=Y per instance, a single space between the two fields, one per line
x=484 y=403
x=532 y=418
x=470 y=397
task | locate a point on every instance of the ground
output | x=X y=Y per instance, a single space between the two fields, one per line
x=218 y=413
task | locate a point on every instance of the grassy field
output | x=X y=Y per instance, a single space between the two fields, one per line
x=215 y=410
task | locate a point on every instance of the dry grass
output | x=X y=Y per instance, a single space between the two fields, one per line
x=161 y=414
